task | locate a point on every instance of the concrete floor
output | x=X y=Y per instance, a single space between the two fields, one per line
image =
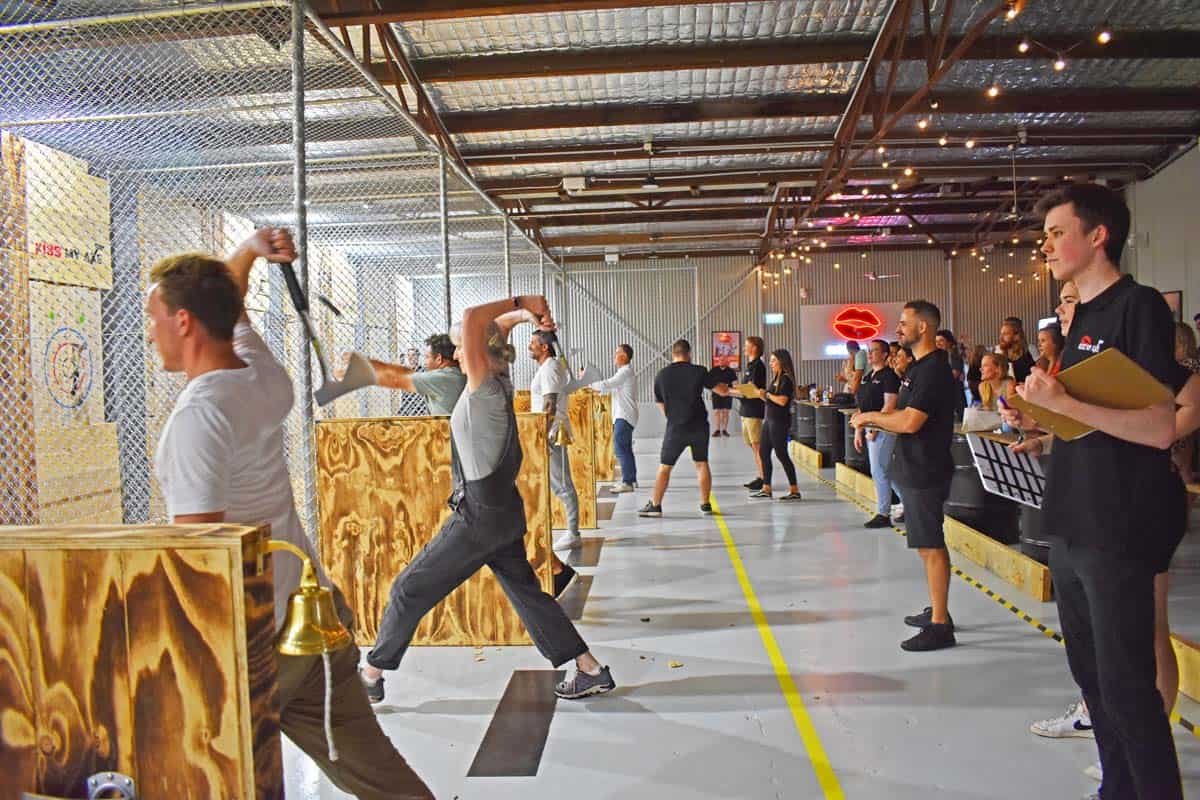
x=892 y=724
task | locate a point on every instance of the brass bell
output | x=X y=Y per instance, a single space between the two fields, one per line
x=312 y=626
x=561 y=437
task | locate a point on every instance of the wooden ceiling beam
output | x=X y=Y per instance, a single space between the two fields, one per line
x=830 y=105
x=771 y=52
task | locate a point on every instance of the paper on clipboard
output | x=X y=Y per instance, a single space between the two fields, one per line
x=1110 y=379
x=746 y=390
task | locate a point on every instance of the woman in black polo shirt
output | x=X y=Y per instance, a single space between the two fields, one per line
x=878 y=391
x=778 y=394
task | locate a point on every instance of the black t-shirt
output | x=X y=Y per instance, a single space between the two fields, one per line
x=756 y=373
x=922 y=460
x=875 y=384
x=1023 y=366
x=727 y=376
x=680 y=387
x=1101 y=491
x=777 y=414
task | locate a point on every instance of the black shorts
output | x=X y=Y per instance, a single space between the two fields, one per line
x=675 y=441
x=923 y=516
x=719 y=402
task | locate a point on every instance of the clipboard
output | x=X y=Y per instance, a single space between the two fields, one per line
x=1110 y=379
x=746 y=390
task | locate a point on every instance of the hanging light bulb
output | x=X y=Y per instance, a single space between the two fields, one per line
x=895 y=186
x=1015 y=240
x=810 y=223
x=1011 y=254
x=993 y=91
x=929 y=240
x=970 y=144
x=908 y=171
x=933 y=104
x=1024 y=46
x=837 y=266
x=829 y=228
x=943 y=140
x=1012 y=11
x=881 y=150
x=1105 y=35
x=822 y=244
x=1060 y=63
x=953 y=253
x=923 y=123
x=897 y=209
x=787 y=270
x=865 y=191
x=857 y=216
x=886 y=164
x=864 y=255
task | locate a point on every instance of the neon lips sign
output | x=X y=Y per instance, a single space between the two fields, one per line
x=857 y=324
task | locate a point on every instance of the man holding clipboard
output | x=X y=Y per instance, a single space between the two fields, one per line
x=1111 y=500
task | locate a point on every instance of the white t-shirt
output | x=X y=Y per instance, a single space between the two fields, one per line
x=551 y=378
x=222 y=450
x=623 y=386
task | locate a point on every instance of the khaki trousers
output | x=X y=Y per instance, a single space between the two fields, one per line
x=368 y=765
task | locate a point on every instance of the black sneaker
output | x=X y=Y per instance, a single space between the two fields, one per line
x=931 y=637
x=650 y=510
x=706 y=508
x=754 y=485
x=583 y=685
x=925 y=618
x=563 y=579
x=791 y=497
x=760 y=493
x=374 y=689
x=878 y=521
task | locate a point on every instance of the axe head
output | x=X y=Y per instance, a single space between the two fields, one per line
x=359 y=375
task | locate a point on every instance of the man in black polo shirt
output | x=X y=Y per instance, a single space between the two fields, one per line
x=922 y=465
x=679 y=391
x=750 y=410
x=1110 y=500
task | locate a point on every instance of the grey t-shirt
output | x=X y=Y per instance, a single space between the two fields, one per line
x=440 y=388
x=479 y=425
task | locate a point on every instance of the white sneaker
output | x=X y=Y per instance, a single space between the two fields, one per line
x=1095 y=772
x=567 y=540
x=1075 y=724
x=897 y=510
x=621 y=488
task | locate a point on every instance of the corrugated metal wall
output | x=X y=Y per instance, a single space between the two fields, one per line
x=656 y=298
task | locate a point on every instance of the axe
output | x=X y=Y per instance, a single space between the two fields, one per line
x=359 y=373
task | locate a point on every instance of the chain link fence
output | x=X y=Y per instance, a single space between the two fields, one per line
x=129 y=133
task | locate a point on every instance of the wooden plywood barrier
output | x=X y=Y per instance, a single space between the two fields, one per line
x=807 y=457
x=149 y=651
x=582 y=455
x=1013 y=566
x=606 y=458
x=382 y=486
x=856 y=483
x=521 y=401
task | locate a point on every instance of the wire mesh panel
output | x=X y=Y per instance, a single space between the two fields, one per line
x=133 y=133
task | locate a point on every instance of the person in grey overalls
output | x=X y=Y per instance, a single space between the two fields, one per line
x=487 y=525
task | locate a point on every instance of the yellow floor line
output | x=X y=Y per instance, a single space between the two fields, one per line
x=808 y=734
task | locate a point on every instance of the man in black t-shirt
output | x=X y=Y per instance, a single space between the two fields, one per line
x=1111 y=500
x=922 y=465
x=679 y=391
x=750 y=410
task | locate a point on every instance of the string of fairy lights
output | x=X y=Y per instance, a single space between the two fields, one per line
x=797 y=249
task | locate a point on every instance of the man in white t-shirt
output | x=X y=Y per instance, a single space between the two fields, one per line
x=221 y=459
x=623 y=387
x=548 y=395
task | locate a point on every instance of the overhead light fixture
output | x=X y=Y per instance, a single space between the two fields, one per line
x=1011 y=254
x=857 y=216
x=864 y=255
x=993 y=91
x=1105 y=35
x=822 y=244
x=1010 y=274
x=923 y=123
x=943 y=140
x=886 y=164
x=1060 y=63
x=881 y=149
x=933 y=104
x=908 y=171
x=1012 y=11
x=929 y=240
x=970 y=144
x=837 y=265
x=1023 y=47
x=953 y=252
x=865 y=191
x=895 y=186
x=829 y=228
x=897 y=209
x=1015 y=240
x=810 y=223
x=787 y=270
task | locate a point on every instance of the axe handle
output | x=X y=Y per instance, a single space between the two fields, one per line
x=293 y=285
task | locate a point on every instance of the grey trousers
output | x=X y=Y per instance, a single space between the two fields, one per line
x=562 y=485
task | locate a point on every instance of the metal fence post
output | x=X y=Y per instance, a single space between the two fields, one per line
x=443 y=208
x=300 y=204
x=508 y=279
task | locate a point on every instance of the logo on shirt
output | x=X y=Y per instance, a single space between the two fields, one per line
x=1085 y=343
x=857 y=324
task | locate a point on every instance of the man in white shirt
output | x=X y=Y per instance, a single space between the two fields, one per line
x=623 y=387
x=548 y=395
x=220 y=459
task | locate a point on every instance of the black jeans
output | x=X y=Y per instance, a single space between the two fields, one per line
x=454 y=555
x=774 y=437
x=1106 y=610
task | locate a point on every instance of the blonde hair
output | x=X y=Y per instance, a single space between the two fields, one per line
x=498 y=348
